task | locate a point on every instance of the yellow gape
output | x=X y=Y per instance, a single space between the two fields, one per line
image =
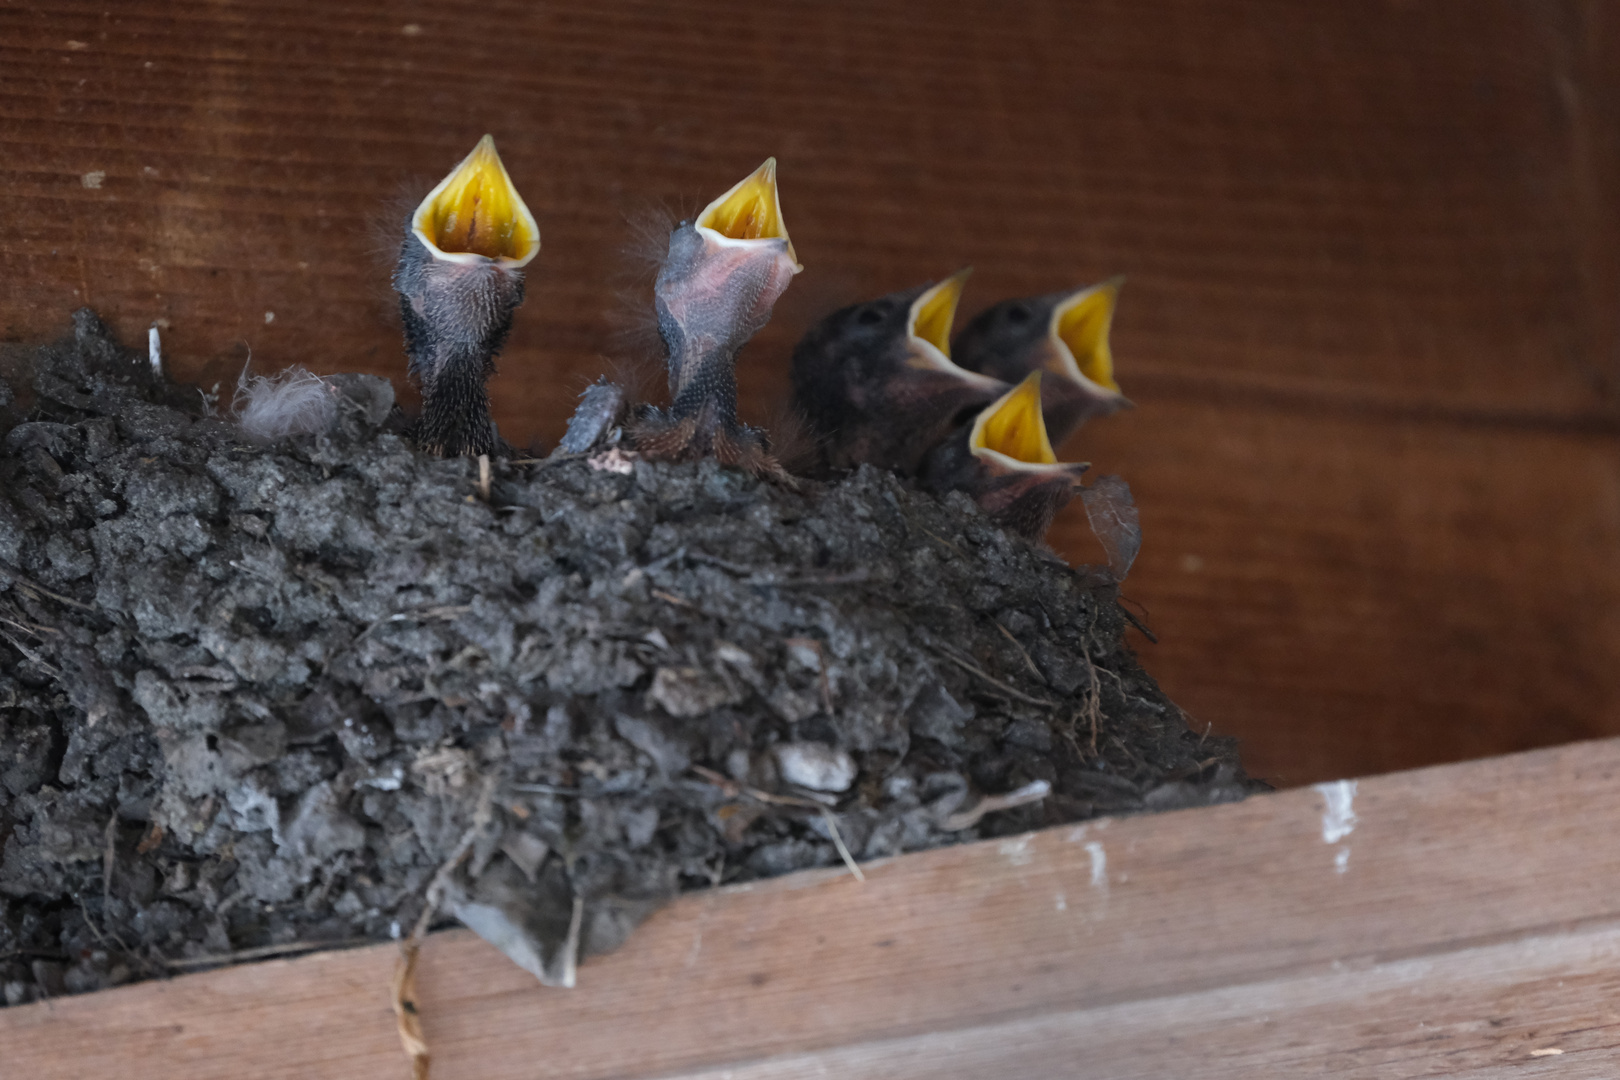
x=935 y=310
x=1082 y=325
x=476 y=211
x=1014 y=427
x=752 y=210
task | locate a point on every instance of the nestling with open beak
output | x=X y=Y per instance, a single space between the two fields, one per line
x=723 y=273
x=1005 y=461
x=876 y=381
x=460 y=278
x=1062 y=334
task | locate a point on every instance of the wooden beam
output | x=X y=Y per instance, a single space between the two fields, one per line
x=1458 y=921
x=1388 y=196
x=1344 y=593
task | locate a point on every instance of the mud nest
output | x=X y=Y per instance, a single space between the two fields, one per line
x=257 y=696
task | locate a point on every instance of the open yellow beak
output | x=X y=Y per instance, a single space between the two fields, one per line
x=1013 y=429
x=933 y=313
x=752 y=210
x=1081 y=324
x=475 y=213
x=929 y=327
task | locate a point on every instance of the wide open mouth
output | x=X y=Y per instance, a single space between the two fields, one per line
x=752 y=210
x=475 y=213
x=1080 y=325
x=928 y=324
x=1011 y=432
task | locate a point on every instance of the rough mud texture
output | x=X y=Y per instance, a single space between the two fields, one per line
x=252 y=696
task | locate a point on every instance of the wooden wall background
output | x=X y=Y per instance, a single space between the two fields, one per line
x=1373 y=251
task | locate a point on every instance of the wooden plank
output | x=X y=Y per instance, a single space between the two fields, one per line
x=1351 y=595
x=1367 y=192
x=1475 y=898
x=1534 y=1002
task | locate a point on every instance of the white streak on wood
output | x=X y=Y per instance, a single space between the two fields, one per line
x=1099 y=865
x=1338 y=813
x=1018 y=850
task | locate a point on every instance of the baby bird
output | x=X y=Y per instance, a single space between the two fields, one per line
x=876 y=383
x=459 y=279
x=1005 y=461
x=1062 y=334
x=723 y=273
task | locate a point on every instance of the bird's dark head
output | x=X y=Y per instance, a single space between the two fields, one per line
x=724 y=272
x=1006 y=462
x=876 y=380
x=1063 y=334
x=865 y=356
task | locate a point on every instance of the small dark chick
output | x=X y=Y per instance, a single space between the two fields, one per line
x=724 y=272
x=876 y=383
x=1005 y=461
x=459 y=279
x=1062 y=334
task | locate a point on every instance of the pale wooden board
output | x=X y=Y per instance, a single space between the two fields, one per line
x=1475 y=920
x=1478 y=1013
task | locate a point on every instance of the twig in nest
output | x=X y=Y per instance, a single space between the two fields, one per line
x=944 y=541
x=1034 y=791
x=734 y=789
x=1093 y=698
x=1130 y=617
x=544 y=789
x=30 y=628
x=1033 y=670
x=740 y=569
x=1136 y=761
x=26 y=584
x=38 y=660
x=992 y=680
x=671 y=598
x=109 y=859
x=407 y=1019
x=263 y=952
x=838 y=842
x=483 y=477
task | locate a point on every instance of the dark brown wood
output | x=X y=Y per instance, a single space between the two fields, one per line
x=1346 y=589
x=1463 y=919
x=1373 y=254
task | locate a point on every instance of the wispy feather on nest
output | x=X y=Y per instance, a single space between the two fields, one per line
x=296 y=401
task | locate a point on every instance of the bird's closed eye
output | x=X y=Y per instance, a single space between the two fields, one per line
x=1018 y=313
x=869 y=316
